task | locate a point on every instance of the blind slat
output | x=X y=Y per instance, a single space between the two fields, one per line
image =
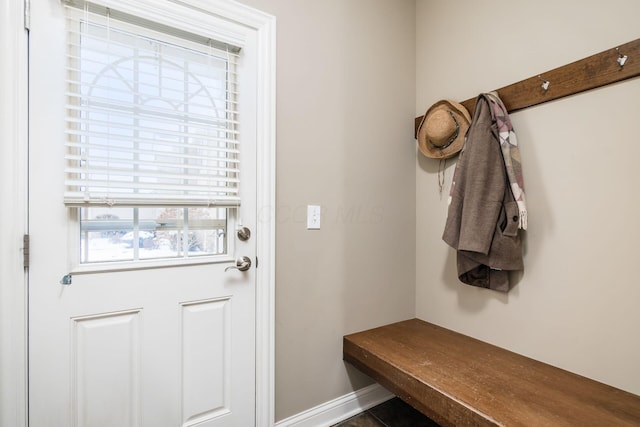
x=209 y=167
x=138 y=139
x=76 y=200
x=138 y=178
x=126 y=109
x=217 y=55
x=191 y=133
x=187 y=175
x=116 y=189
x=131 y=151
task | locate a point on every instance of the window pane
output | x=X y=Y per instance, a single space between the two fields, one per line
x=207 y=231
x=167 y=238
x=103 y=234
x=126 y=234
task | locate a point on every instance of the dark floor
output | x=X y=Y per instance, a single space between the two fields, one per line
x=392 y=413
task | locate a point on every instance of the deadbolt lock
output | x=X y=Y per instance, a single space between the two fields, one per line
x=244 y=234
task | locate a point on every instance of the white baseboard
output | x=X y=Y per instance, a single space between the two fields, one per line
x=339 y=409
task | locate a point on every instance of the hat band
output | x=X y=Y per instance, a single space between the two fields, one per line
x=453 y=137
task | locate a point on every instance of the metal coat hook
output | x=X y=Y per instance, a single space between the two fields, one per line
x=621 y=59
x=545 y=83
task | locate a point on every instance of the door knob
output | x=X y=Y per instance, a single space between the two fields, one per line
x=242 y=264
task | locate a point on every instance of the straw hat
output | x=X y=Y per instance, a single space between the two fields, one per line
x=442 y=130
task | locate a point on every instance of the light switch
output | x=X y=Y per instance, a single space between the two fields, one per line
x=313 y=217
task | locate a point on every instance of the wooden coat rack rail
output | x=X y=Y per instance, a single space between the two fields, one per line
x=604 y=68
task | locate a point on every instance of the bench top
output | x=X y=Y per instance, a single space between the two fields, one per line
x=460 y=381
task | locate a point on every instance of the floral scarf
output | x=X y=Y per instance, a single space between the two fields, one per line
x=510 y=153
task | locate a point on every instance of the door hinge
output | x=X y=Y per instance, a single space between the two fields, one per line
x=27 y=15
x=25 y=250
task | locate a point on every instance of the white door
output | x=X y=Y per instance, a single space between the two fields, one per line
x=149 y=329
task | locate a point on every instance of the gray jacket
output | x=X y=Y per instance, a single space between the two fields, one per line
x=483 y=217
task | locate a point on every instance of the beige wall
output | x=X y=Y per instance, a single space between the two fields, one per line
x=576 y=305
x=349 y=75
x=345 y=96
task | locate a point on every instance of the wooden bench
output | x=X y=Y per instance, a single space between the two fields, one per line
x=457 y=380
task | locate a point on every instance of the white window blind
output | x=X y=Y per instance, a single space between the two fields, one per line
x=151 y=115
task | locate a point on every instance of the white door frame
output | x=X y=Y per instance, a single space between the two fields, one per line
x=13 y=222
x=13 y=193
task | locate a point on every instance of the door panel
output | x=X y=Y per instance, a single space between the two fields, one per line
x=126 y=346
x=206 y=341
x=105 y=364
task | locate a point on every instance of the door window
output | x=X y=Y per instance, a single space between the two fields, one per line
x=130 y=234
x=152 y=148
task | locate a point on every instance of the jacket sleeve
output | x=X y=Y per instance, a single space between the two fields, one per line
x=477 y=199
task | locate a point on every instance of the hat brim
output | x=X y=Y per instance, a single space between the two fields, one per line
x=463 y=118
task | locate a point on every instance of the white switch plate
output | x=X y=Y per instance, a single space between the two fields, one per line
x=313 y=217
